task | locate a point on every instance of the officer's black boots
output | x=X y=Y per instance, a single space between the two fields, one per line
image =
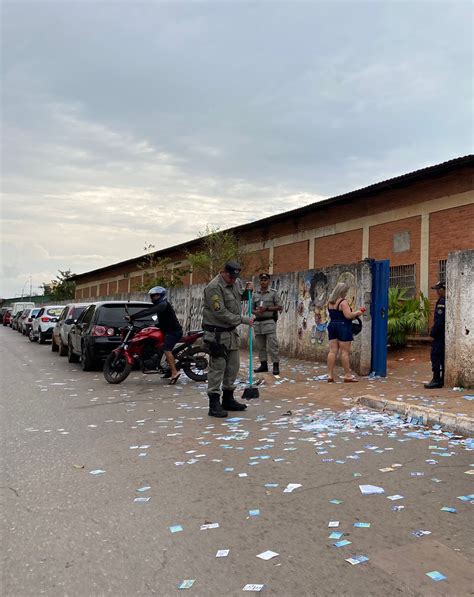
x=263 y=367
x=215 y=408
x=276 y=368
x=228 y=401
x=436 y=382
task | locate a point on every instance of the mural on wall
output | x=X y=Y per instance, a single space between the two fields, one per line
x=312 y=304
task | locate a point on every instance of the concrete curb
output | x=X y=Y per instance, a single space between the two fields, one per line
x=430 y=416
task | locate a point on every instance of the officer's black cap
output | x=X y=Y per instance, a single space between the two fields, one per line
x=233 y=268
x=438 y=286
x=264 y=276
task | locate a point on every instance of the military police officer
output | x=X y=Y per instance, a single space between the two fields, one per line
x=266 y=305
x=222 y=314
x=437 y=333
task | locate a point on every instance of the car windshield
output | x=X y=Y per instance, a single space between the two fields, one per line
x=54 y=311
x=113 y=315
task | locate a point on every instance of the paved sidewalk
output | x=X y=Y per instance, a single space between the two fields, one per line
x=408 y=370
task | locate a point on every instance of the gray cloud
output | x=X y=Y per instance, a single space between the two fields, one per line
x=133 y=123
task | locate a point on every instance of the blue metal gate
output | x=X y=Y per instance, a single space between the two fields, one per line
x=379 y=314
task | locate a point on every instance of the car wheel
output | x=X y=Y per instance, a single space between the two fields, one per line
x=41 y=338
x=87 y=362
x=71 y=356
x=54 y=346
x=62 y=348
x=31 y=336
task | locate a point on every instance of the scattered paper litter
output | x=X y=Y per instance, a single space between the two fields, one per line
x=212 y=525
x=97 y=472
x=142 y=500
x=255 y=588
x=186 y=584
x=333 y=524
x=436 y=576
x=267 y=555
x=342 y=543
x=222 y=553
x=370 y=489
x=357 y=560
x=291 y=487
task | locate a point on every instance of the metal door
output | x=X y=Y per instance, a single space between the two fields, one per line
x=379 y=314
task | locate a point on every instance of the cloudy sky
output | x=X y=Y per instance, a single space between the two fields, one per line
x=125 y=123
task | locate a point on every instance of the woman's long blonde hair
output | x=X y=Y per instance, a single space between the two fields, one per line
x=340 y=291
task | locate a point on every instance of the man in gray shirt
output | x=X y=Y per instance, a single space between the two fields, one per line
x=221 y=315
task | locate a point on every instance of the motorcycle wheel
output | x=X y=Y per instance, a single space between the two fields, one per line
x=197 y=363
x=116 y=368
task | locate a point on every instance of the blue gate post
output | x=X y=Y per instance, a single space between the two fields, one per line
x=379 y=314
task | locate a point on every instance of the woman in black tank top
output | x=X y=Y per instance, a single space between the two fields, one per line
x=340 y=331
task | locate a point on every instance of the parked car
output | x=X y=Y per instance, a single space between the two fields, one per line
x=7 y=317
x=15 y=320
x=68 y=317
x=27 y=322
x=97 y=331
x=3 y=310
x=43 y=323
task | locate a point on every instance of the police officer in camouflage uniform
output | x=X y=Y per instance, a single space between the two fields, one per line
x=437 y=333
x=266 y=305
x=221 y=315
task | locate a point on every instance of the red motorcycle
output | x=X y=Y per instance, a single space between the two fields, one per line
x=143 y=345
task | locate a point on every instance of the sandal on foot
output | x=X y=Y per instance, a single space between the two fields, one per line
x=330 y=380
x=350 y=380
x=173 y=380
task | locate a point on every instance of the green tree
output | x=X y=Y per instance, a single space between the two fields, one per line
x=406 y=315
x=62 y=288
x=159 y=272
x=217 y=247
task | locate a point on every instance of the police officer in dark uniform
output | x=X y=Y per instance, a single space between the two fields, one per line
x=437 y=333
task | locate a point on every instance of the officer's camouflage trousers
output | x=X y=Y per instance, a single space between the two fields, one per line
x=267 y=346
x=223 y=372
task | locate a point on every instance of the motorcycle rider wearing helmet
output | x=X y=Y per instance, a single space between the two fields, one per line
x=167 y=322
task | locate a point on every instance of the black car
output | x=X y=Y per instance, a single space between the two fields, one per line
x=97 y=331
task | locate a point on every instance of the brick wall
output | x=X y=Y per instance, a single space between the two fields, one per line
x=256 y=262
x=381 y=243
x=450 y=230
x=338 y=248
x=291 y=258
x=123 y=285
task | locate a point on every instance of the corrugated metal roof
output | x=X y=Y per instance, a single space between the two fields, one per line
x=391 y=183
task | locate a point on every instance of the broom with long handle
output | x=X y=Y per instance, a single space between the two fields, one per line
x=250 y=392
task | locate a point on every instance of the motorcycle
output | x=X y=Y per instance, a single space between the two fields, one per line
x=143 y=345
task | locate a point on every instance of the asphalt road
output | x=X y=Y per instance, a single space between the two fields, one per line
x=66 y=531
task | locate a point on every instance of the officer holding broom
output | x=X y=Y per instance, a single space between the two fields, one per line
x=222 y=314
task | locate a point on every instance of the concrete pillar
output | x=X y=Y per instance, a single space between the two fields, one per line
x=311 y=253
x=425 y=253
x=460 y=319
x=365 y=241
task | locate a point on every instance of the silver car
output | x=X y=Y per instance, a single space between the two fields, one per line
x=67 y=318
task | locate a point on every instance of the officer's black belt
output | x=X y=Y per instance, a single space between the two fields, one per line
x=216 y=328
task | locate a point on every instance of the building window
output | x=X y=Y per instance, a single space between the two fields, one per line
x=404 y=276
x=442 y=270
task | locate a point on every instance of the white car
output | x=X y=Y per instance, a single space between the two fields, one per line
x=61 y=329
x=44 y=322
